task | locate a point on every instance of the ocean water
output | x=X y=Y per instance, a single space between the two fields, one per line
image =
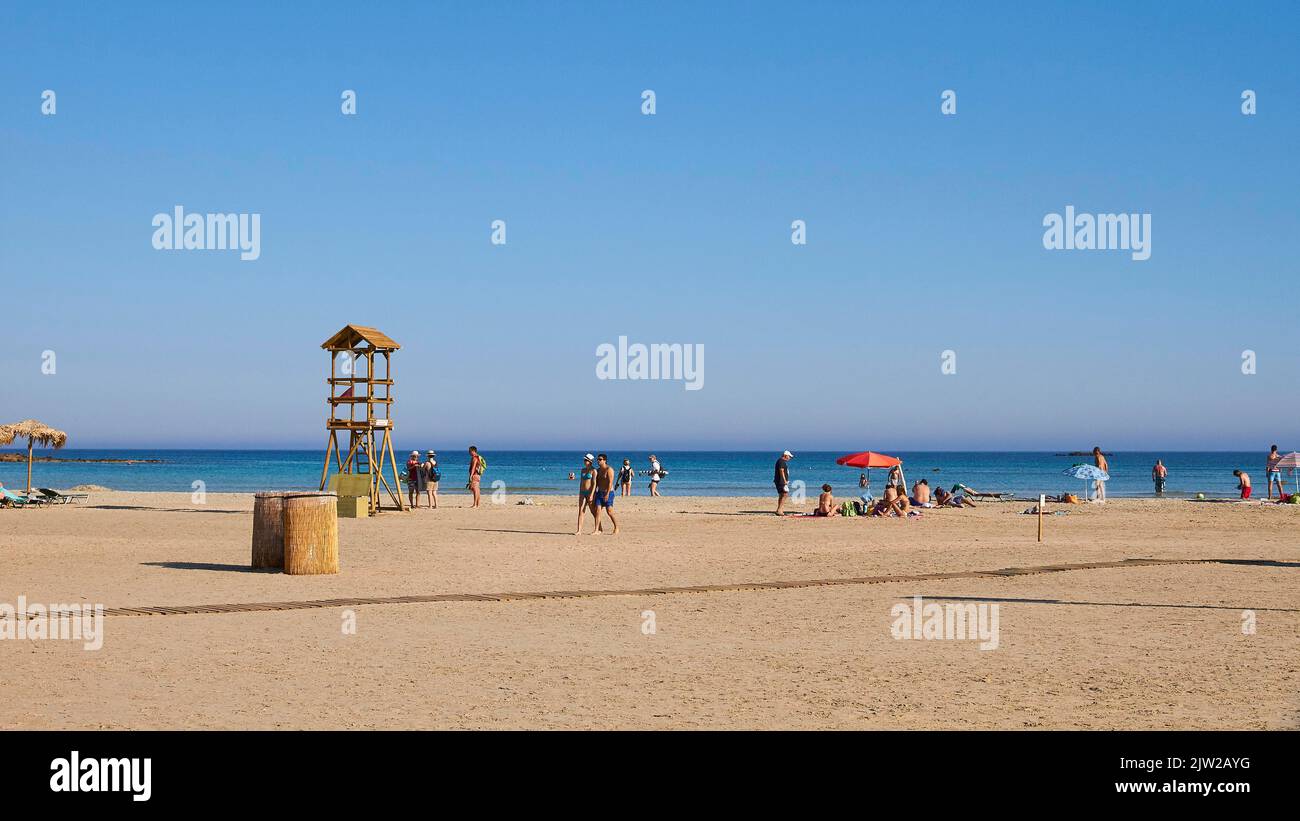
x=694 y=473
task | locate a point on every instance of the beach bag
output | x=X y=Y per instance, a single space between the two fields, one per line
x=482 y=464
x=848 y=509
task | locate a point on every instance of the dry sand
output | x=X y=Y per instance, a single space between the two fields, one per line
x=1130 y=647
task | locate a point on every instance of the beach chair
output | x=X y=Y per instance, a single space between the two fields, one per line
x=56 y=498
x=18 y=499
x=975 y=495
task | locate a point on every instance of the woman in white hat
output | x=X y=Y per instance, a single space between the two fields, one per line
x=586 y=487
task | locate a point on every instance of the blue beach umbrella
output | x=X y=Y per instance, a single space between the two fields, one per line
x=1088 y=473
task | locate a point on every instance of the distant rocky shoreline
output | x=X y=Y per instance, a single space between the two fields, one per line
x=22 y=457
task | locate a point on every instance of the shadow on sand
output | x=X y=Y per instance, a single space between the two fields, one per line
x=228 y=568
x=162 y=509
x=529 y=532
x=1067 y=602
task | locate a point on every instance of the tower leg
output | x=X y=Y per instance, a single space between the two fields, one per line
x=331 y=448
x=393 y=459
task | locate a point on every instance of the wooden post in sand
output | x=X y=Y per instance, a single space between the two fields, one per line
x=1042 y=500
x=311 y=533
x=268 y=530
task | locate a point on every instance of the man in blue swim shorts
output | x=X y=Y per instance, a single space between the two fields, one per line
x=603 y=498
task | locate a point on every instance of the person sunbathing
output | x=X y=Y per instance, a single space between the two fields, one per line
x=921 y=494
x=826 y=503
x=893 y=503
x=943 y=498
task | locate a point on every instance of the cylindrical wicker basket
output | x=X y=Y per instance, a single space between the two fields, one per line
x=311 y=533
x=268 y=530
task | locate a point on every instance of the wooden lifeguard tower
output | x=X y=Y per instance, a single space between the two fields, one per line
x=368 y=398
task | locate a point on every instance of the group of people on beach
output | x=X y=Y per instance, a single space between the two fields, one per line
x=596 y=483
x=422 y=477
x=598 y=480
x=895 y=501
x=1272 y=472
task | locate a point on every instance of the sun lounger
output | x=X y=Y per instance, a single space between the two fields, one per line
x=983 y=497
x=18 y=499
x=56 y=498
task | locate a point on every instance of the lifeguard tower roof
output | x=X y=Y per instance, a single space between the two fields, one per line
x=353 y=337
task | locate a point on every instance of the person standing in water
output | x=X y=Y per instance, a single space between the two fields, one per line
x=475 y=473
x=1099 y=485
x=586 y=488
x=1273 y=473
x=1158 y=474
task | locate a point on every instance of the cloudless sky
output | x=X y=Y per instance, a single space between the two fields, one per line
x=924 y=230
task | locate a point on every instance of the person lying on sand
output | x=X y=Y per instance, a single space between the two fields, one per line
x=826 y=503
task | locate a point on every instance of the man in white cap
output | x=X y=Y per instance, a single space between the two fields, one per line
x=782 y=481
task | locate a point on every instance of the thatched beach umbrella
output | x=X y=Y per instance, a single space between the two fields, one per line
x=36 y=433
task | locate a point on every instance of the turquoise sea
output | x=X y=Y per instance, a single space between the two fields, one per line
x=693 y=473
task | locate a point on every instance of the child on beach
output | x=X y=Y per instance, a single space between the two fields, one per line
x=1243 y=483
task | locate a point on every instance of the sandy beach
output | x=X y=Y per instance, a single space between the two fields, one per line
x=1144 y=646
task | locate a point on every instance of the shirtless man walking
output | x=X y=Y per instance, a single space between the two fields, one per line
x=1099 y=485
x=604 y=495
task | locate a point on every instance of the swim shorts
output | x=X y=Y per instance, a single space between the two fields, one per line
x=605 y=500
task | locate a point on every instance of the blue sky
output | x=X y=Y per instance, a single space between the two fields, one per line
x=924 y=230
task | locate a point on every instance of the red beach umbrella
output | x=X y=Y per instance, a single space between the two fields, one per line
x=868 y=459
